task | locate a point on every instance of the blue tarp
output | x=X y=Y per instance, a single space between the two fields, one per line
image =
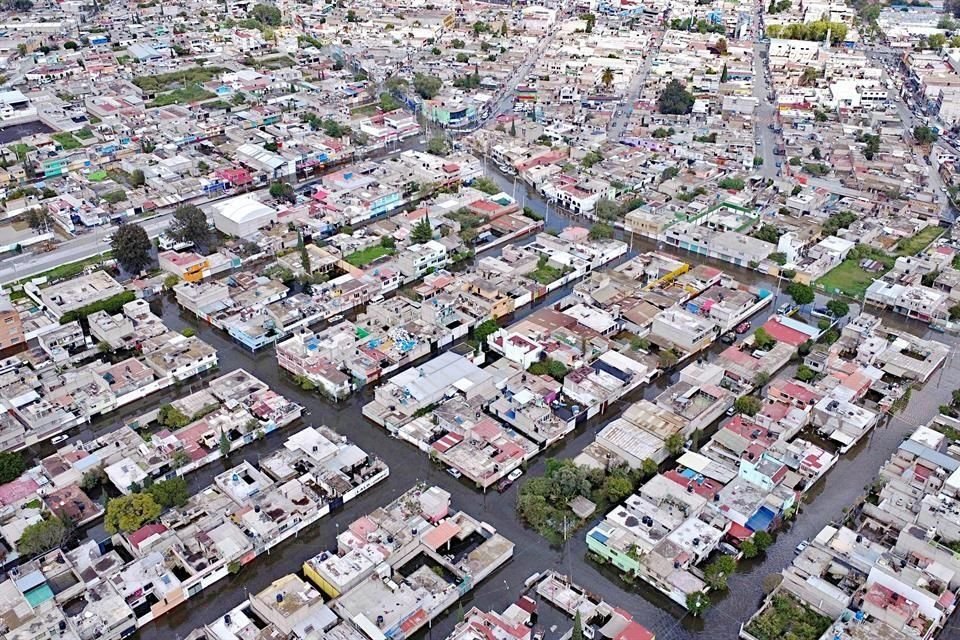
x=761 y=519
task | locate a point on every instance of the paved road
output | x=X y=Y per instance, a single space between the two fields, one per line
x=622 y=116
x=766 y=113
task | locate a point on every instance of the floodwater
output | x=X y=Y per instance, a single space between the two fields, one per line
x=827 y=503
x=17 y=131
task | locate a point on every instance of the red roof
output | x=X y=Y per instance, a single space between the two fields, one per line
x=739 y=531
x=783 y=333
x=145 y=532
x=634 y=631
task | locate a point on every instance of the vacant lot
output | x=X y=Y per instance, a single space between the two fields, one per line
x=916 y=244
x=849 y=278
x=368 y=255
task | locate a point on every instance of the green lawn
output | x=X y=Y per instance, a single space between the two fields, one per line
x=368 y=255
x=365 y=111
x=916 y=244
x=190 y=93
x=785 y=617
x=69 y=270
x=164 y=81
x=66 y=140
x=848 y=278
x=546 y=274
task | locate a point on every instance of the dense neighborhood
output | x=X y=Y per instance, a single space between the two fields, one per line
x=541 y=320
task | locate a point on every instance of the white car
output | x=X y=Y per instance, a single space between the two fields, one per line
x=454 y=472
x=513 y=475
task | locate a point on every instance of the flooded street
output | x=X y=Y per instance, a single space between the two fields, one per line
x=826 y=503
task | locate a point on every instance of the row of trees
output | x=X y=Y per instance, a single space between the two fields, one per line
x=131 y=245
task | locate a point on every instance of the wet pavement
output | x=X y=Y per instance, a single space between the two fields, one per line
x=826 y=503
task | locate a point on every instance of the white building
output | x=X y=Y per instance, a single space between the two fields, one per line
x=242 y=216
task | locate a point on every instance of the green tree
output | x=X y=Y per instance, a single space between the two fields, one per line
x=616 y=488
x=283 y=191
x=667 y=358
x=128 y=513
x=763 y=540
x=40 y=537
x=577 y=627
x=266 y=14
x=11 y=466
x=749 y=549
x=724 y=74
x=137 y=179
x=763 y=340
x=422 y=231
x=607 y=77
x=675 y=99
x=189 y=224
x=71 y=45
x=131 y=247
x=697 y=603
x=802 y=294
x=718 y=571
x=649 y=467
x=427 y=86
x=224 y=445
x=805 y=373
x=437 y=146
x=601 y=231
x=924 y=134
x=170 y=493
x=484 y=330
x=838 y=308
x=674 y=444
x=170 y=416
x=747 y=405
x=936 y=41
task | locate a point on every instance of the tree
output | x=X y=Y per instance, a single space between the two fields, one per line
x=427 y=86
x=649 y=467
x=170 y=416
x=422 y=231
x=675 y=99
x=802 y=294
x=838 y=308
x=11 y=466
x=924 y=135
x=70 y=44
x=131 y=247
x=763 y=340
x=616 y=488
x=936 y=41
x=747 y=405
x=763 y=540
x=437 y=146
x=749 y=549
x=513 y=128
x=389 y=103
x=724 y=74
x=40 y=537
x=577 y=627
x=137 y=179
x=805 y=373
x=607 y=77
x=224 y=445
x=189 y=224
x=39 y=218
x=170 y=493
x=718 y=571
x=697 y=603
x=283 y=191
x=266 y=14
x=129 y=513
x=601 y=231
x=674 y=444
x=484 y=330
x=667 y=358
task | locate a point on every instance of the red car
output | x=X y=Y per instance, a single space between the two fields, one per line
x=743 y=327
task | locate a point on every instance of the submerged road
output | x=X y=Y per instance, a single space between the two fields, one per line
x=825 y=504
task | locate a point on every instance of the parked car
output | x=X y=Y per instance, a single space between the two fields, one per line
x=743 y=327
x=504 y=484
x=821 y=312
x=728 y=338
x=800 y=547
x=514 y=475
x=335 y=318
x=787 y=309
x=454 y=472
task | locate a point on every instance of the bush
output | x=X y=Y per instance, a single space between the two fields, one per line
x=748 y=405
x=553 y=368
x=11 y=466
x=111 y=305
